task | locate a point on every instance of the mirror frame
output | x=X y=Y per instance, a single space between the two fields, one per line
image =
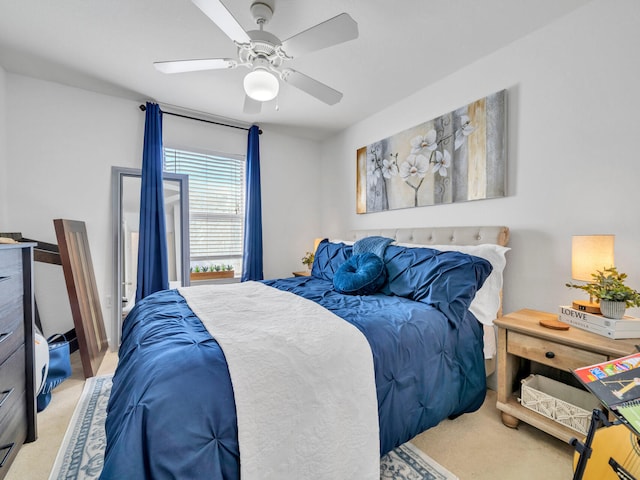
x=117 y=176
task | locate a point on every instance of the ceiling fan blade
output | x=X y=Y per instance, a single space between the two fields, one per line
x=251 y=105
x=218 y=13
x=180 y=66
x=317 y=89
x=331 y=32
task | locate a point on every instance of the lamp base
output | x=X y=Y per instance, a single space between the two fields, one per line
x=586 y=306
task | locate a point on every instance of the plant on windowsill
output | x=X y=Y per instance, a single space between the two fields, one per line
x=211 y=272
x=609 y=288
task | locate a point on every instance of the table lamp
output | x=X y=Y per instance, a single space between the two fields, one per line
x=590 y=253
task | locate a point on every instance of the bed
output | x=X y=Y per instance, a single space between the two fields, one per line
x=302 y=381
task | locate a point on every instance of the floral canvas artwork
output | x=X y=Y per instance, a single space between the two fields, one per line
x=457 y=157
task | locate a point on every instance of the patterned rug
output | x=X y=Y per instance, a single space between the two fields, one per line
x=407 y=462
x=81 y=453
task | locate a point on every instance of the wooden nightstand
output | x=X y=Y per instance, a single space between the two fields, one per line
x=520 y=336
x=305 y=273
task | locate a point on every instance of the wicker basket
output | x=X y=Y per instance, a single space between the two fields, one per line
x=563 y=403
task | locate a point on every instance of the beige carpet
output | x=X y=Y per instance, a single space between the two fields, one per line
x=474 y=446
x=477 y=446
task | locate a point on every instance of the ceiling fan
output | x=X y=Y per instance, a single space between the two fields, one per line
x=264 y=53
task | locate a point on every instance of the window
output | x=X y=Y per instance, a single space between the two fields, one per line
x=216 y=205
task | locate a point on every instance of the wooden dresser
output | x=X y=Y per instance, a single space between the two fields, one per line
x=17 y=395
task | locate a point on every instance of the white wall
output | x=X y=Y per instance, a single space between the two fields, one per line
x=290 y=168
x=573 y=99
x=61 y=145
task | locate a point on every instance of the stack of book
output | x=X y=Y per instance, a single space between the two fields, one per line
x=627 y=327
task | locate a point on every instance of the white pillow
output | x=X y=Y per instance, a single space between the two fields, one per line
x=337 y=240
x=486 y=303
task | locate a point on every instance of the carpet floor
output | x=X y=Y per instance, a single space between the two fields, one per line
x=474 y=446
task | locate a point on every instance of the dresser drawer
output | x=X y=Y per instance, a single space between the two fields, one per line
x=11 y=288
x=12 y=378
x=12 y=381
x=10 y=263
x=13 y=409
x=547 y=352
x=11 y=303
x=11 y=327
x=13 y=432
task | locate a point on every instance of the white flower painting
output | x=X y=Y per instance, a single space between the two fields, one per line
x=457 y=157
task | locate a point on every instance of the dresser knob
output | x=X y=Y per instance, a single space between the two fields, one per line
x=550 y=355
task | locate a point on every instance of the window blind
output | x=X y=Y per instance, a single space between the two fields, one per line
x=216 y=202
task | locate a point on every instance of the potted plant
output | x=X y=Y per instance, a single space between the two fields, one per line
x=307 y=260
x=211 y=272
x=609 y=288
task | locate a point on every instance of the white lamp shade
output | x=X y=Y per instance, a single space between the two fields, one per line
x=590 y=253
x=261 y=85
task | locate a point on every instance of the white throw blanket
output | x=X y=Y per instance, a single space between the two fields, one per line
x=303 y=382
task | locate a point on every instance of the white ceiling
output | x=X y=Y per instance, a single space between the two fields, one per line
x=109 y=46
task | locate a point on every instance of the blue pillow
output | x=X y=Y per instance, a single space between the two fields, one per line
x=375 y=244
x=447 y=280
x=328 y=259
x=362 y=274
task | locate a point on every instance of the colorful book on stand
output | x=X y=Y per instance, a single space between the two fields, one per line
x=626 y=327
x=616 y=383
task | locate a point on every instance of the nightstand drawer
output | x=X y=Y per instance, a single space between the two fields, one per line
x=547 y=352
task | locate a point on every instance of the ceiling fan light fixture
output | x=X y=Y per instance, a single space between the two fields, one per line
x=261 y=85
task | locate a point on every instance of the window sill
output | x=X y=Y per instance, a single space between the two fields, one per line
x=218 y=281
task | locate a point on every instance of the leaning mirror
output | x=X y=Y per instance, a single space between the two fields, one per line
x=126 y=220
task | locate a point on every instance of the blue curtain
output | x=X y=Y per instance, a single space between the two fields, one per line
x=252 y=256
x=153 y=271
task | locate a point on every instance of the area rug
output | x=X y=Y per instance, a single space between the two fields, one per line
x=81 y=453
x=82 y=450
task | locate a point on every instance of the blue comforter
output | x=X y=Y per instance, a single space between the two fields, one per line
x=172 y=414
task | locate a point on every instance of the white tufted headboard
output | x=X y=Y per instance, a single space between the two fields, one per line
x=438 y=235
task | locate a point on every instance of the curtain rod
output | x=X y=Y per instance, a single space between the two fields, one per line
x=143 y=108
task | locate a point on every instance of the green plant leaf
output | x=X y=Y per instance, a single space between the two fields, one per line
x=608 y=284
